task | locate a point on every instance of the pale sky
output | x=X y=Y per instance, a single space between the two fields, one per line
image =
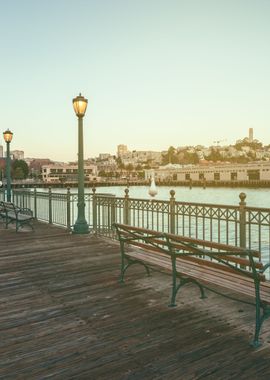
x=156 y=73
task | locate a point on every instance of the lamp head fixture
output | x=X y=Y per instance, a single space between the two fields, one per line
x=80 y=105
x=7 y=136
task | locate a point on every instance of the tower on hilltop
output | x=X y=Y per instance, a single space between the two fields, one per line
x=250 y=134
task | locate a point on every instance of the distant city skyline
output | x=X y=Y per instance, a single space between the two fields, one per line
x=156 y=73
x=121 y=149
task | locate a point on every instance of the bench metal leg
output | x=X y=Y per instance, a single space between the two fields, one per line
x=123 y=269
x=260 y=317
x=131 y=262
x=21 y=224
x=184 y=281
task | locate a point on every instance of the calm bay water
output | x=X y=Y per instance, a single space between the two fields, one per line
x=230 y=196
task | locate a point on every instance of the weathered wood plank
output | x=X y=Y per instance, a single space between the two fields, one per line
x=63 y=315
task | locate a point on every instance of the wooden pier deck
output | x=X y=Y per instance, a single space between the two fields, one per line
x=63 y=315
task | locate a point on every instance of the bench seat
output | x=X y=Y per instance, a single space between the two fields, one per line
x=209 y=265
x=227 y=280
x=13 y=214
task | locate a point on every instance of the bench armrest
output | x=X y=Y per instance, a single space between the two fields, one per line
x=266 y=266
x=25 y=211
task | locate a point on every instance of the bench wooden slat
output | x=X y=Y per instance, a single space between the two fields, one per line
x=195 y=269
x=206 y=263
x=232 y=282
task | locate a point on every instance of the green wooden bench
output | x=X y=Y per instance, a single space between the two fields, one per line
x=207 y=264
x=13 y=214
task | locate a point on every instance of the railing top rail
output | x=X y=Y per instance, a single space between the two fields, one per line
x=145 y=200
x=207 y=204
x=261 y=209
x=104 y=195
x=224 y=206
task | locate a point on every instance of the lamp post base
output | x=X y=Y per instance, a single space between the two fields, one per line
x=80 y=228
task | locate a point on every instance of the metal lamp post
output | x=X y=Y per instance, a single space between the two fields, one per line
x=8 y=137
x=81 y=226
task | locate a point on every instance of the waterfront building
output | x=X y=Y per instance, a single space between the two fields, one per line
x=255 y=171
x=59 y=173
x=35 y=165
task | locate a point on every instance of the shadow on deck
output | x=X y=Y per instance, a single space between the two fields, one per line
x=65 y=316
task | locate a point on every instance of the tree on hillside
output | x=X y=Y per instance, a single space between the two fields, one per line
x=20 y=169
x=214 y=156
x=170 y=157
x=188 y=158
x=119 y=163
x=129 y=168
x=255 y=144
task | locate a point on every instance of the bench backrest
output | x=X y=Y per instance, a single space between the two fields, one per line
x=201 y=252
x=9 y=206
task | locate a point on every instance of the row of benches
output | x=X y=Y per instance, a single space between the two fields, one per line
x=206 y=264
x=10 y=213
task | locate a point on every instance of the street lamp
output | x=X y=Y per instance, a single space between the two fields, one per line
x=81 y=226
x=8 y=137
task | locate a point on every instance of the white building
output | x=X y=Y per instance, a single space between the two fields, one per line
x=121 y=149
x=142 y=156
x=56 y=173
x=17 y=154
x=259 y=171
x=104 y=156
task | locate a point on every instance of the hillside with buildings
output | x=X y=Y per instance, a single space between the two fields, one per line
x=198 y=163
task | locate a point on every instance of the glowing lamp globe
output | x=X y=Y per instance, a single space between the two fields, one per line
x=8 y=136
x=80 y=105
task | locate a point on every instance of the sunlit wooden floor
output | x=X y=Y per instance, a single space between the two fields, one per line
x=65 y=316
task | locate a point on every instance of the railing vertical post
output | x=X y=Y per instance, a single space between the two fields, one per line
x=126 y=210
x=15 y=199
x=242 y=219
x=35 y=202
x=68 y=209
x=50 y=205
x=172 y=212
x=94 y=211
x=113 y=220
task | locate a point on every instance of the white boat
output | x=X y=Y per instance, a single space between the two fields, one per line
x=152 y=189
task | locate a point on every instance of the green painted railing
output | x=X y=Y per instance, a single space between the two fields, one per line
x=238 y=224
x=229 y=224
x=51 y=207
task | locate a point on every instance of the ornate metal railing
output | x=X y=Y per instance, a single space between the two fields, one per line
x=230 y=224
x=54 y=208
